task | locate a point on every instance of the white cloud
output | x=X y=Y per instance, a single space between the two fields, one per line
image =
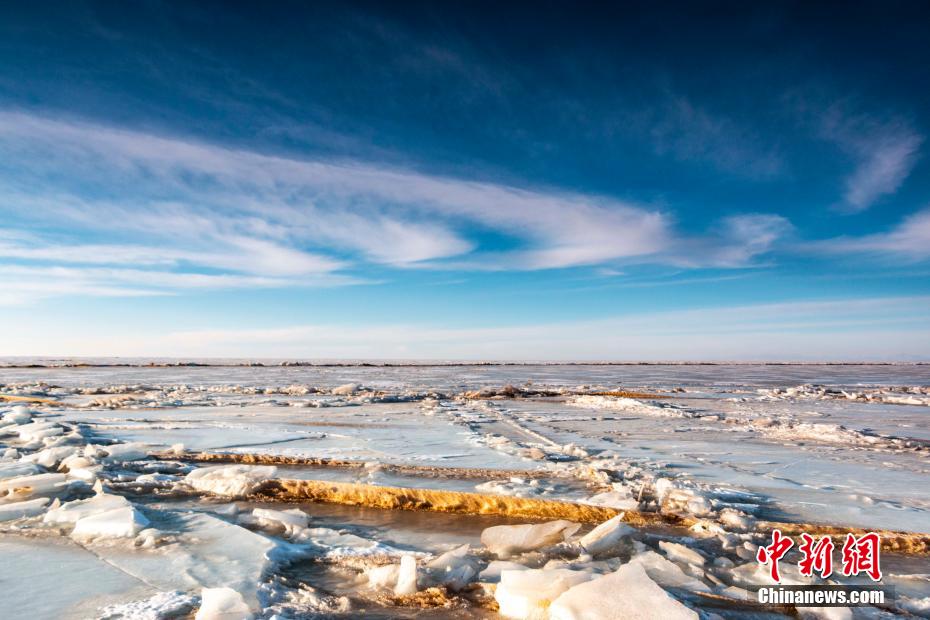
x=909 y=240
x=746 y=236
x=243 y=254
x=884 y=166
x=22 y=284
x=732 y=242
x=884 y=152
x=198 y=191
x=178 y=211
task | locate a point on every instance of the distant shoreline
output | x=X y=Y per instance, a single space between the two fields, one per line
x=284 y=363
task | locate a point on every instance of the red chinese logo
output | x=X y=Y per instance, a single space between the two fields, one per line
x=817 y=557
x=774 y=552
x=860 y=555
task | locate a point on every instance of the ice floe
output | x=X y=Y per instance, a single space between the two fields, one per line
x=454 y=569
x=508 y=540
x=124 y=522
x=626 y=594
x=527 y=594
x=606 y=536
x=229 y=480
x=24 y=509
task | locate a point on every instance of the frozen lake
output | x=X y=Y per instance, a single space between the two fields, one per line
x=726 y=445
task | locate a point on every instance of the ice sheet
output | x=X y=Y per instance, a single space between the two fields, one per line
x=729 y=444
x=55 y=579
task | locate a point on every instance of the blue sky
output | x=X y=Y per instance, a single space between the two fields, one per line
x=462 y=180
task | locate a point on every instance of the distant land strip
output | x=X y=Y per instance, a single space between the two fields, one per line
x=415 y=364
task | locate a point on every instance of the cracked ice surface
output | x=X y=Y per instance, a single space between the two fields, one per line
x=104 y=512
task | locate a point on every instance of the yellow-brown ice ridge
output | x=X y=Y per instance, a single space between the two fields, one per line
x=396 y=498
x=14 y=398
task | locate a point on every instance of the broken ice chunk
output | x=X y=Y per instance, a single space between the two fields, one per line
x=123 y=522
x=406 y=577
x=156 y=480
x=42 y=485
x=18 y=415
x=494 y=569
x=85 y=474
x=613 y=499
x=292 y=520
x=508 y=540
x=161 y=606
x=680 y=553
x=454 y=569
x=72 y=512
x=14 y=470
x=736 y=520
x=525 y=594
x=230 y=480
x=37 y=431
x=666 y=573
x=50 y=457
x=20 y=510
x=75 y=461
x=346 y=390
x=222 y=604
x=606 y=536
x=125 y=452
x=626 y=594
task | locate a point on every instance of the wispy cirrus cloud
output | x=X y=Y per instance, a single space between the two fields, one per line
x=95 y=195
x=884 y=152
x=242 y=254
x=690 y=132
x=909 y=240
x=734 y=241
x=24 y=284
x=384 y=215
